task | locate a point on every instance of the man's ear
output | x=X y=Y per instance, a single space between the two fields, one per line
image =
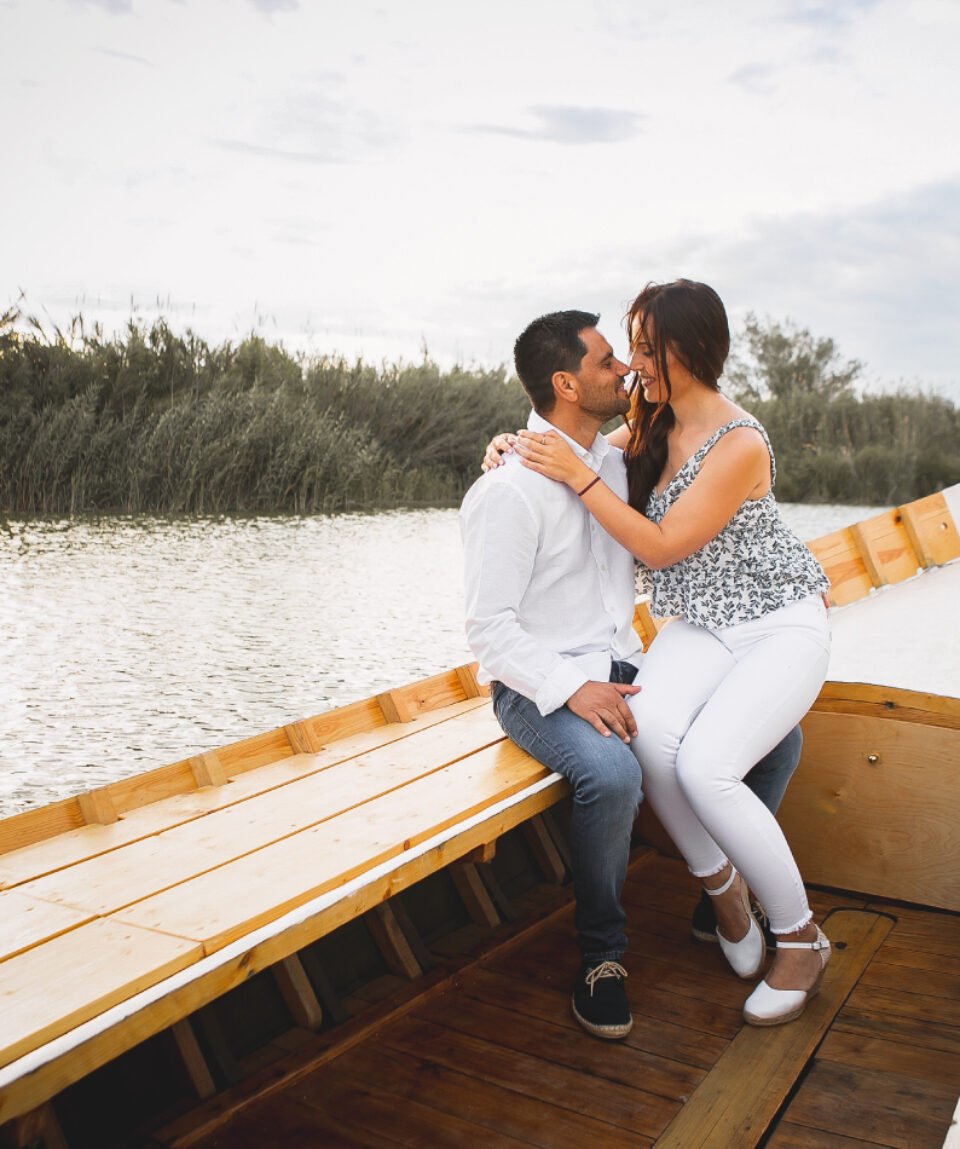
x=565 y=387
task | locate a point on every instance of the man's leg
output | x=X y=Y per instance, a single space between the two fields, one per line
x=605 y=779
x=768 y=780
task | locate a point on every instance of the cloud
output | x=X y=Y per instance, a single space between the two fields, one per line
x=572 y=125
x=827 y=13
x=128 y=57
x=758 y=79
x=311 y=122
x=117 y=7
x=268 y=152
x=271 y=6
x=882 y=279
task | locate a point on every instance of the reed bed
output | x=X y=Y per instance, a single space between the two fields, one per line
x=157 y=422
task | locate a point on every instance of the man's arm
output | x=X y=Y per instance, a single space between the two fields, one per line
x=500 y=536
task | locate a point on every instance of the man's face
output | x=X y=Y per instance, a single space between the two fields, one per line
x=601 y=378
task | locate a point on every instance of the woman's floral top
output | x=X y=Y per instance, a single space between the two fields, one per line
x=755 y=565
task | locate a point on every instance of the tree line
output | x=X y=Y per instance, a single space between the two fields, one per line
x=152 y=421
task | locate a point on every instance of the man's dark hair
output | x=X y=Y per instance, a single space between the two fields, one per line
x=550 y=343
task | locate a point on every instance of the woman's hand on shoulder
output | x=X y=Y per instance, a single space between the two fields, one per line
x=551 y=456
x=498 y=446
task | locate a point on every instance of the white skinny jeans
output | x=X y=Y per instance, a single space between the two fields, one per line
x=713 y=704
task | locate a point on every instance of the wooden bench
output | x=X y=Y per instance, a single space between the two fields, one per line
x=123 y=911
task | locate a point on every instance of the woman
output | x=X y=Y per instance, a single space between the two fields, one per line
x=749 y=652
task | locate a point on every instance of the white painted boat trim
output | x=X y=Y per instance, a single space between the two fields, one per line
x=59 y=1046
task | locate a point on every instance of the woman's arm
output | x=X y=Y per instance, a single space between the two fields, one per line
x=620 y=437
x=503 y=444
x=737 y=468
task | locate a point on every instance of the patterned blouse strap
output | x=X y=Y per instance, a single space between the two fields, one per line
x=721 y=431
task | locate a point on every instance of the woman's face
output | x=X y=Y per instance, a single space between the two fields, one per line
x=643 y=361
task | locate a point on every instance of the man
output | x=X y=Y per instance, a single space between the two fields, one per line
x=550 y=598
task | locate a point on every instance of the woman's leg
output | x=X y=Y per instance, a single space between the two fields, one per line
x=781 y=662
x=678 y=675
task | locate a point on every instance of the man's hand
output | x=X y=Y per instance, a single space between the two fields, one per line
x=604 y=706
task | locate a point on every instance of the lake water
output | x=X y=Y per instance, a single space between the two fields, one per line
x=127 y=643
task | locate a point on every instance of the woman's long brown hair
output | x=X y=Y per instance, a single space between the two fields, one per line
x=689 y=319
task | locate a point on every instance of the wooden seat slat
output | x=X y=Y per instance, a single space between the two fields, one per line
x=146 y=867
x=50 y=854
x=224 y=904
x=26 y=921
x=50 y=988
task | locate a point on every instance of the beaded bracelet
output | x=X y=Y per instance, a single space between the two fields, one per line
x=592 y=483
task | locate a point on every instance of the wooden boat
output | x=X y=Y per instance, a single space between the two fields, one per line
x=356 y=930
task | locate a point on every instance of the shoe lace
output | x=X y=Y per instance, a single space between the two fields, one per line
x=761 y=915
x=604 y=969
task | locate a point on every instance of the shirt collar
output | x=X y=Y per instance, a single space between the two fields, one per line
x=593 y=455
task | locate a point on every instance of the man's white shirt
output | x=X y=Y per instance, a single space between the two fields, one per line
x=549 y=594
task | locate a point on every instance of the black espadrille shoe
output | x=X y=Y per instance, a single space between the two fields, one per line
x=600 y=1000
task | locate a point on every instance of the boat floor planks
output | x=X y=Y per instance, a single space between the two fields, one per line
x=493 y=1053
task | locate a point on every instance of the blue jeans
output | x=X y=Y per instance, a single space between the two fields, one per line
x=771 y=775
x=605 y=778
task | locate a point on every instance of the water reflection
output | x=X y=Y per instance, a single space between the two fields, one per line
x=128 y=643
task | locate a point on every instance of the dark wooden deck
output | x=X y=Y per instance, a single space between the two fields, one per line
x=491 y=1055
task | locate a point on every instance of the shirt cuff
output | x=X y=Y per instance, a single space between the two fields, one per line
x=559 y=686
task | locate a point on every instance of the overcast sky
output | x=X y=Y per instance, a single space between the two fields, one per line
x=370 y=177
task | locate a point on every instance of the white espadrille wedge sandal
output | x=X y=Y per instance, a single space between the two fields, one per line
x=768 y=1006
x=746 y=956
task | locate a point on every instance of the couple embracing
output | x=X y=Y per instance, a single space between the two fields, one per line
x=707 y=719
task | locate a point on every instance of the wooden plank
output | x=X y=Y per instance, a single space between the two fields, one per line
x=550 y=1040
x=931 y=529
x=868 y=1052
x=883 y=1108
x=221 y=905
x=49 y=854
x=843 y=565
x=645 y=624
x=301 y=738
x=26 y=921
x=37 y=1130
x=297 y=992
x=889 y=702
x=97 y=807
x=474 y=894
x=194 y=1063
x=107 y=962
x=467 y=676
x=208 y=769
x=414 y=1124
x=886 y=548
x=625 y=1106
x=107 y=883
x=25 y=1092
x=885 y=794
x=408 y=1077
x=394 y=706
x=539 y=1002
x=391 y=941
x=542 y=846
x=735 y=1104
x=435 y=693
